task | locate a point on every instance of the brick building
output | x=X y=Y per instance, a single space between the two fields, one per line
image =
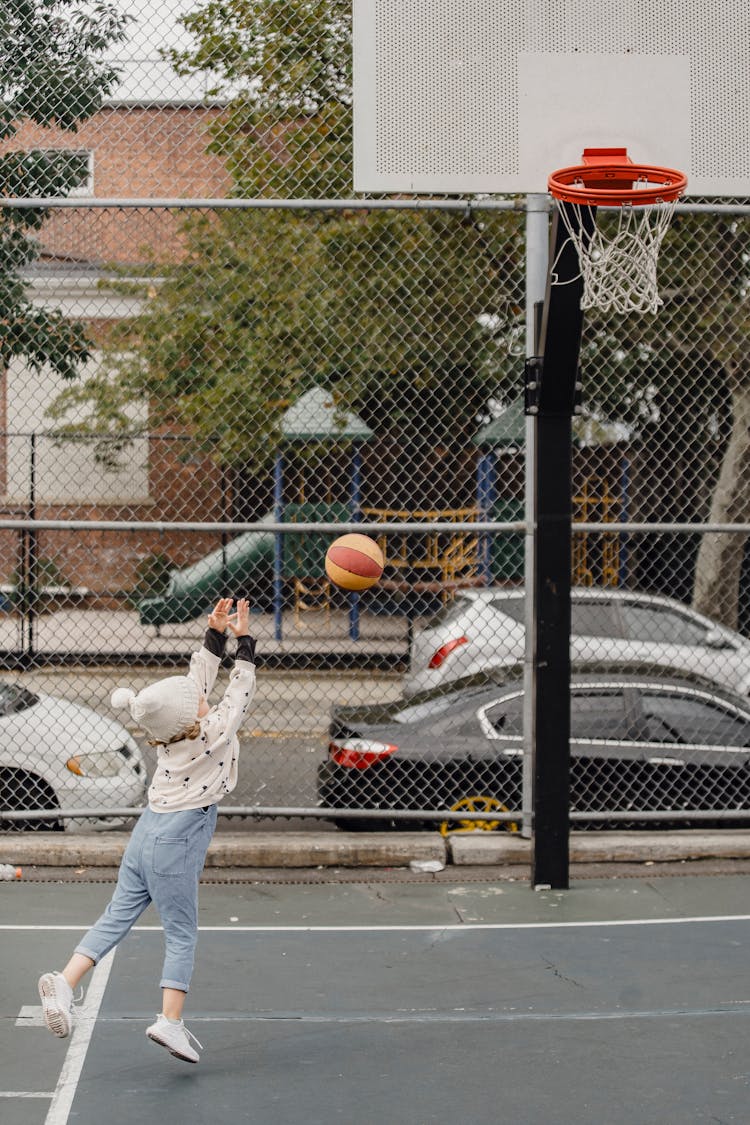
x=147 y=144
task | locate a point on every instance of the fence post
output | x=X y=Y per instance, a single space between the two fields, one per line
x=28 y=585
x=354 y=505
x=278 y=547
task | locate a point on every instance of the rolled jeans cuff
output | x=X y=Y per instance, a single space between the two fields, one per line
x=95 y=957
x=178 y=984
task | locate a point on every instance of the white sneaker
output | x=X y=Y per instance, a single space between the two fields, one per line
x=175 y=1037
x=57 y=1003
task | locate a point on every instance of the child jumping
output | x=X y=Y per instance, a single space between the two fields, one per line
x=197 y=751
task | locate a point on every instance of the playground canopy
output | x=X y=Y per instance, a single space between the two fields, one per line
x=508 y=430
x=316 y=417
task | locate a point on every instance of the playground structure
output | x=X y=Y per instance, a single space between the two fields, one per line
x=193 y=588
x=420 y=567
x=596 y=501
x=446 y=560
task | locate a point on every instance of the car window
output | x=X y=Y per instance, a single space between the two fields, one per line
x=447 y=613
x=673 y=717
x=594 y=714
x=652 y=623
x=413 y=711
x=14 y=698
x=588 y=618
x=599 y=713
x=514 y=608
x=594 y=619
x=506 y=717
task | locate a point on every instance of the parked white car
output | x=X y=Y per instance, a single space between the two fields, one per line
x=483 y=630
x=57 y=754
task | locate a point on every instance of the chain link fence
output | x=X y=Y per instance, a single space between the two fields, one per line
x=214 y=360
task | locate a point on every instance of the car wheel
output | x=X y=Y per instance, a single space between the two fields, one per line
x=481 y=804
x=20 y=790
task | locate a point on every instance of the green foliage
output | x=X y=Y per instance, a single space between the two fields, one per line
x=403 y=314
x=151 y=578
x=665 y=376
x=288 y=132
x=52 y=73
x=268 y=304
x=40 y=590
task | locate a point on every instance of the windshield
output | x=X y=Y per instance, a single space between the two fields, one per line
x=450 y=612
x=15 y=697
x=418 y=709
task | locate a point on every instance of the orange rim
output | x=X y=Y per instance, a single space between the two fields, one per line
x=612 y=185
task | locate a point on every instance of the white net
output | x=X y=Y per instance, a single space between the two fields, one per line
x=618 y=264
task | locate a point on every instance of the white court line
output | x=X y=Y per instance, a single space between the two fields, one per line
x=24 y=1094
x=70 y=1075
x=31 y=1015
x=457 y=927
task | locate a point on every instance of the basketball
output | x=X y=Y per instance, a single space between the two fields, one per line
x=354 y=562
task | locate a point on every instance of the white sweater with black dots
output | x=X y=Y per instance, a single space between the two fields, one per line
x=196 y=772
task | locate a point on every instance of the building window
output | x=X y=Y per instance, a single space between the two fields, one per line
x=73 y=166
x=62 y=470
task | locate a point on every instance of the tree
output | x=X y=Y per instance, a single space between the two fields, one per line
x=52 y=72
x=679 y=382
x=287 y=130
x=398 y=312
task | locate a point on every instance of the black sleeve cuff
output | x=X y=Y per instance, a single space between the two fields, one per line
x=245 y=649
x=215 y=642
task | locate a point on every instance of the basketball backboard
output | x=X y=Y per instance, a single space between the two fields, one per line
x=493 y=95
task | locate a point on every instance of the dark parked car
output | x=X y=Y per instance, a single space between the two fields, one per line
x=637 y=744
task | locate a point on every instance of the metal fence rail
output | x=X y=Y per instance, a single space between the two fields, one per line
x=215 y=360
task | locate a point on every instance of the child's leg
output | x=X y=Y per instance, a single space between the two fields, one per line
x=177 y=860
x=130 y=899
x=76 y=969
x=173 y=882
x=172 y=1003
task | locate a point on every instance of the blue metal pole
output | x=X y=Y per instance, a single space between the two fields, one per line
x=278 y=547
x=354 y=505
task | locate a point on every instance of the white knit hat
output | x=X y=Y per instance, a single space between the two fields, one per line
x=163 y=709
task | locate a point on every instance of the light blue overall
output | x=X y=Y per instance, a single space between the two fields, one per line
x=162 y=864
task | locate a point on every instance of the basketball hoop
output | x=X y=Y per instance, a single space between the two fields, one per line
x=618 y=266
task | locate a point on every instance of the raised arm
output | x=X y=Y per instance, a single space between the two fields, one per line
x=228 y=716
x=204 y=664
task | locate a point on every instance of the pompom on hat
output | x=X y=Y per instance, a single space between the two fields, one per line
x=164 y=709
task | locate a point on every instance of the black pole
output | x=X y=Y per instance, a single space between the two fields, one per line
x=552 y=390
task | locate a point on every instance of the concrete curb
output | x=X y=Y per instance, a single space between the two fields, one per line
x=229 y=849
x=477 y=848
x=379 y=849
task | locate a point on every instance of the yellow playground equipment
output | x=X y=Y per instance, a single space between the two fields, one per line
x=598 y=562
x=433 y=562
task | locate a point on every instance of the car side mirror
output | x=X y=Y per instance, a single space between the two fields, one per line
x=715 y=639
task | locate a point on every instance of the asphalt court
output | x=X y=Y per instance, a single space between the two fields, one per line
x=621 y=1002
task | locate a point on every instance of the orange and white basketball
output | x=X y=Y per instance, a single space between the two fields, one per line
x=354 y=562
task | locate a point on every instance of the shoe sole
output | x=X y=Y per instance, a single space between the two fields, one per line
x=56 y=1020
x=163 y=1043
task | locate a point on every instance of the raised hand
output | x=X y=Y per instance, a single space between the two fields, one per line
x=239 y=622
x=219 y=615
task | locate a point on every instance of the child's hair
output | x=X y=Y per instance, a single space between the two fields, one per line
x=192 y=732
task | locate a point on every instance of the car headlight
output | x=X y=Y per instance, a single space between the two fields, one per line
x=105 y=764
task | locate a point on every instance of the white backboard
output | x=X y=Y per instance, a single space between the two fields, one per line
x=493 y=95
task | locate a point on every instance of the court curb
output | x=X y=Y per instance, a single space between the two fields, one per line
x=380 y=849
